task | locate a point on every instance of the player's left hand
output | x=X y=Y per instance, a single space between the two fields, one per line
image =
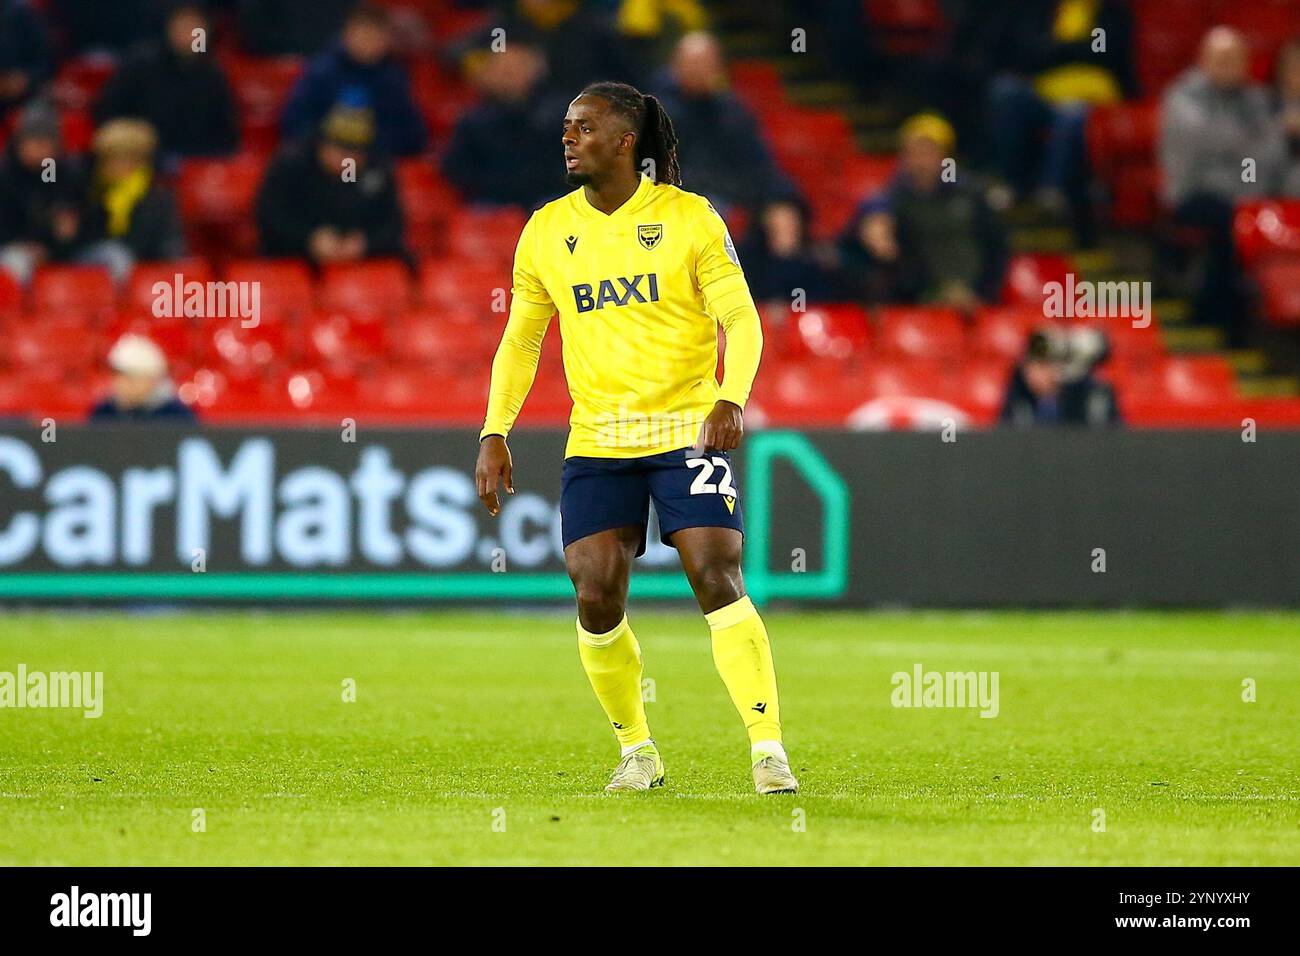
x=723 y=429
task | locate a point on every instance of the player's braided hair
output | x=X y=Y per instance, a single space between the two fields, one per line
x=656 y=139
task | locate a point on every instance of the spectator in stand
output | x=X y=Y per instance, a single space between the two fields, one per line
x=779 y=259
x=1286 y=92
x=310 y=205
x=1212 y=119
x=42 y=193
x=723 y=153
x=141 y=391
x=930 y=236
x=130 y=216
x=507 y=149
x=1061 y=67
x=579 y=41
x=360 y=71
x=25 y=59
x=290 y=27
x=182 y=92
x=1054 y=383
x=652 y=28
x=93 y=26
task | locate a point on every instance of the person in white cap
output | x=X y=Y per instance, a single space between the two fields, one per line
x=142 y=390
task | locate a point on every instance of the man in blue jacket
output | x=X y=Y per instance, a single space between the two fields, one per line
x=360 y=72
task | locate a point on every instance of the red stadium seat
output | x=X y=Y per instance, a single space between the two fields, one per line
x=317 y=390
x=1262 y=228
x=485 y=234
x=1002 y=331
x=375 y=287
x=216 y=198
x=243 y=353
x=912 y=378
x=79 y=81
x=284 y=286
x=262 y=86
x=814 y=392
x=429 y=339
x=428 y=203
x=1187 y=380
x=1121 y=133
x=1279 y=285
x=85 y=291
x=465 y=283
x=922 y=332
x=982 y=386
x=344 y=340
x=1027 y=273
x=907 y=27
x=175 y=336
x=1166 y=34
x=11 y=295
x=1128 y=342
x=831 y=331
x=758 y=84
x=138 y=294
x=51 y=346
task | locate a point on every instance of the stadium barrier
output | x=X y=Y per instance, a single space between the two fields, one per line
x=160 y=515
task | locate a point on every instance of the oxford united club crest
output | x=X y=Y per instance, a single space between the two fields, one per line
x=650 y=235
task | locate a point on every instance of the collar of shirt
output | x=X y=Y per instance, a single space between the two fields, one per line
x=634 y=202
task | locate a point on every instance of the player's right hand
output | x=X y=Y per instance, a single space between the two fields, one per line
x=493 y=466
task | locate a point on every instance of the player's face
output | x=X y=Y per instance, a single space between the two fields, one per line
x=595 y=140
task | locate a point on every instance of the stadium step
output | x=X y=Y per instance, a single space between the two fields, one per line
x=1041 y=239
x=1094 y=263
x=1172 y=311
x=1247 y=361
x=742 y=44
x=1193 y=338
x=822 y=93
x=1268 y=386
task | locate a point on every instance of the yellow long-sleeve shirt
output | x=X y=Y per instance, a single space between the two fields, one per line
x=640 y=293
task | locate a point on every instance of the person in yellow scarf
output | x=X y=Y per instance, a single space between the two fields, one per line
x=132 y=217
x=1063 y=58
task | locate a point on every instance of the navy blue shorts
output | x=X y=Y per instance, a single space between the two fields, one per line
x=689 y=491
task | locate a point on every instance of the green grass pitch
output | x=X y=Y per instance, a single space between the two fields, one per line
x=474 y=739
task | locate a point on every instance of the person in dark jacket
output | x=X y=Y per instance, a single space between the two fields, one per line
x=131 y=217
x=1061 y=58
x=141 y=390
x=1054 y=384
x=579 y=40
x=182 y=91
x=334 y=199
x=25 y=58
x=42 y=195
x=360 y=71
x=722 y=150
x=505 y=149
x=778 y=259
x=930 y=236
x=290 y=27
x=93 y=26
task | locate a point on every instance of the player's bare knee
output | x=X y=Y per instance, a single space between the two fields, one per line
x=717 y=587
x=600 y=603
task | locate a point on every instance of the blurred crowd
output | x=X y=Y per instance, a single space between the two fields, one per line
x=999 y=121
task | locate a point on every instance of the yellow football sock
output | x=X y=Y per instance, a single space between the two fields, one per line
x=613 y=664
x=744 y=660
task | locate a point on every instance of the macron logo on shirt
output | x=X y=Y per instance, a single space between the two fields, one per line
x=619 y=291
